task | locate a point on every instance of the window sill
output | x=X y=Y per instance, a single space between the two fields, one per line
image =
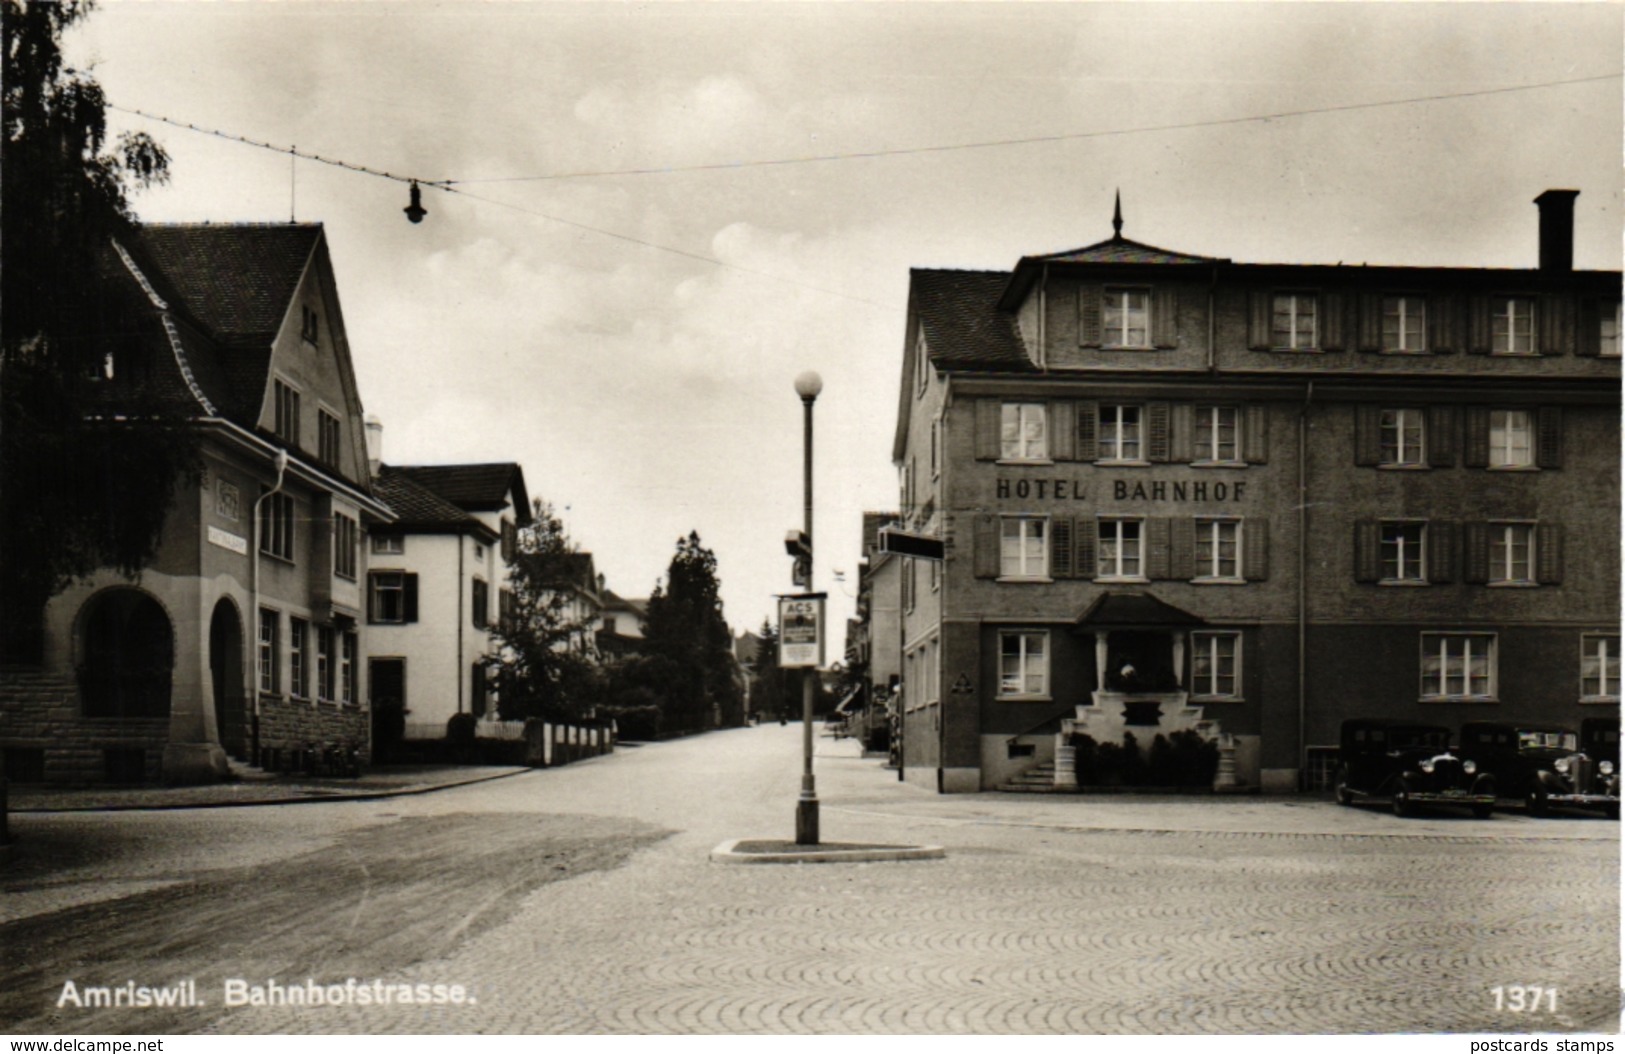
x=1514 y=468
x=1599 y=700
x=278 y=557
x=1122 y=463
x=1459 y=699
x=1025 y=579
x=1409 y=353
x=1026 y=697
x=1122 y=579
x=1217 y=581
x=1295 y=351
x=1129 y=347
x=1022 y=461
x=1404 y=583
x=1509 y=584
x=1515 y=355
x=1225 y=463
x=1402 y=466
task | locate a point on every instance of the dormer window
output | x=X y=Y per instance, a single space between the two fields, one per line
x=1126 y=315
x=1292 y=324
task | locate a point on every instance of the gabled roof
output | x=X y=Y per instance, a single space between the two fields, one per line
x=476 y=488
x=1120 y=250
x=421 y=509
x=236 y=280
x=957 y=312
x=1135 y=610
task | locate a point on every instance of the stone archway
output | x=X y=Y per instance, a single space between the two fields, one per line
x=226 y=679
x=127 y=656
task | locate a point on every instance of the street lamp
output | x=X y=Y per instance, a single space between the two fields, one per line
x=808 y=385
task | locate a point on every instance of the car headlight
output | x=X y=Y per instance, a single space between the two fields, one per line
x=1427 y=765
x=1562 y=766
x=1469 y=767
x=1605 y=767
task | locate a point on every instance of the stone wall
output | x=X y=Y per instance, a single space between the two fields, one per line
x=291 y=726
x=41 y=728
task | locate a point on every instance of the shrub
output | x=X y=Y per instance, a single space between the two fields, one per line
x=636 y=723
x=1134 y=771
x=460 y=730
x=1161 y=769
x=1109 y=764
x=1196 y=760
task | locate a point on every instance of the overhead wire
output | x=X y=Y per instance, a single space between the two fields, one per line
x=454 y=186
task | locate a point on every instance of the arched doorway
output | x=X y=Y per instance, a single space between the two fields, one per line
x=128 y=656
x=226 y=678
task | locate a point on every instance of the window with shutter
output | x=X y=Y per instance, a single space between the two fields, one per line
x=1404 y=325
x=1125 y=317
x=1549 y=554
x=1023 y=547
x=1255 y=536
x=1510 y=439
x=1024 y=432
x=1402 y=546
x=1549 y=438
x=1217 y=437
x=1511 y=553
x=1512 y=325
x=1292 y=322
x=1218 y=550
x=1119 y=550
x=1061 y=550
x=1401 y=436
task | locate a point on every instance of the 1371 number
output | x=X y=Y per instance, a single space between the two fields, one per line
x=1524 y=999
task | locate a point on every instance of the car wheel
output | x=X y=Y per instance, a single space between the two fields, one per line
x=1536 y=801
x=1612 y=811
x=1403 y=806
x=1483 y=811
x=1341 y=788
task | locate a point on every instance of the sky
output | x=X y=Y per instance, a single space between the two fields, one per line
x=619 y=293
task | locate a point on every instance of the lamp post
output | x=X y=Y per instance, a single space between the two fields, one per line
x=808 y=385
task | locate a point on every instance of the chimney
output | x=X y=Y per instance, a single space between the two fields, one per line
x=375 y=444
x=1557 y=231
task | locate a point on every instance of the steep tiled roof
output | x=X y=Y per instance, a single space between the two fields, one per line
x=418 y=507
x=964 y=330
x=237 y=280
x=475 y=488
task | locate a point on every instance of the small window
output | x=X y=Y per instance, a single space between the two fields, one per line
x=345 y=533
x=1218 y=549
x=1119 y=550
x=1126 y=318
x=1118 y=433
x=287 y=413
x=392 y=597
x=298 y=658
x=1215 y=438
x=1403 y=434
x=327 y=438
x=1458 y=666
x=1512 y=326
x=1404 y=321
x=480 y=604
x=1401 y=547
x=1216 y=665
x=1511 y=439
x=510 y=540
x=324 y=662
x=1608 y=333
x=310 y=324
x=1292 y=323
x=347 y=651
x=276 y=525
x=1599 y=667
x=1023 y=664
x=1023 y=433
x=268 y=651
x=1023 y=547
x=1512 y=553
x=388 y=543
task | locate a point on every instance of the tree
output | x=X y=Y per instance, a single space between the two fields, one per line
x=769 y=691
x=544 y=667
x=88 y=471
x=686 y=627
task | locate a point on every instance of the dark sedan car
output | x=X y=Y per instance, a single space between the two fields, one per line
x=1545 y=765
x=1409 y=764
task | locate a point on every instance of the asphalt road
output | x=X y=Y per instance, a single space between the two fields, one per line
x=582 y=900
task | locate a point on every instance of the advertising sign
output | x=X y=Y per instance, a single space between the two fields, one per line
x=801 y=630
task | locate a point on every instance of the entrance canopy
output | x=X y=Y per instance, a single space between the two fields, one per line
x=1134 y=611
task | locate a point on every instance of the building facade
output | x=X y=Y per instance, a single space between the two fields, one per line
x=241 y=638
x=1252 y=500
x=437 y=585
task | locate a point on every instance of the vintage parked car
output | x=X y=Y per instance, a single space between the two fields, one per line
x=1545 y=765
x=1409 y=764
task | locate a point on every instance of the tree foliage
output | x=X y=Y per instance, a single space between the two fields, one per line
x=79 y=490
x=544 y=667
x=686 y=627
x=770 y=689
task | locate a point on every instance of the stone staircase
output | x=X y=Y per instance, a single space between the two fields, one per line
x=1040 y=779
x=242 y=770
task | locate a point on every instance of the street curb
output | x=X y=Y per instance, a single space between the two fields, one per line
x=830 y=854
x=377 y=795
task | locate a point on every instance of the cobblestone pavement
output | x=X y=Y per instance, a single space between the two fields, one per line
x=1094 y=915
